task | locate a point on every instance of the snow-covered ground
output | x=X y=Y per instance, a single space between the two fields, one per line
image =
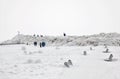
x=111 y=39
x=30 y=62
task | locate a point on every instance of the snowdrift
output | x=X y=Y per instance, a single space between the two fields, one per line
x=111 y=39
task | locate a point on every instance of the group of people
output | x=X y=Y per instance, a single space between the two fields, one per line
x=41 y=44
x=68 y=63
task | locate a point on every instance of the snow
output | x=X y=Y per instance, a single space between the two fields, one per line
x=33 y=62
x=111 y=39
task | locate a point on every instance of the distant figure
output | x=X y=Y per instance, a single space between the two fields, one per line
x=37 y=35
x=43 y=44
x=84 y=53
x=34 y=35
x=26 y=43
x=41 y=35
x=105 y=46
x=90 y=48
x=110 y=58
x=64 y=34
x=35 y=43
x=70 y=62
x=106 y=51
x=66 y=64
x=40 y=44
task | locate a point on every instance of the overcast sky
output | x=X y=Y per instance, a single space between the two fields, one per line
x=53 y=17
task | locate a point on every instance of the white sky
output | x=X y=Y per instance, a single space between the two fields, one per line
x=53 y=17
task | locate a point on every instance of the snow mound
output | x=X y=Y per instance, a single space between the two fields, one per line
x=111 y=39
